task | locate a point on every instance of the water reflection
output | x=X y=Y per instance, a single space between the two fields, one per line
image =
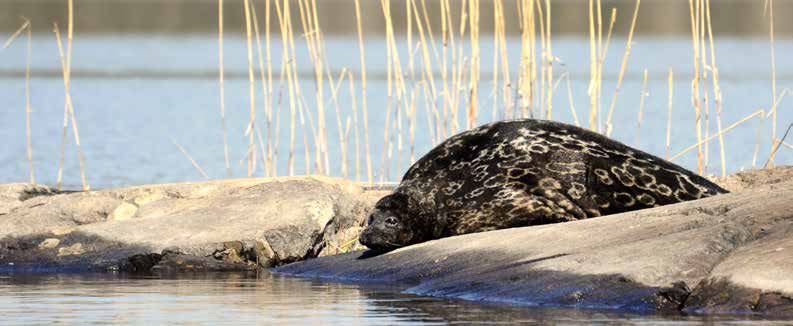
x=217 y=299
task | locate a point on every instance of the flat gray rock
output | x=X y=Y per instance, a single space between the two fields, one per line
x=729 y=253
x=263 y=222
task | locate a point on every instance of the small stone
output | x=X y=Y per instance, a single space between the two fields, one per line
x=265 y=254
x=147 y=198
x=124 y=211
x=62 y=231
x=74 y=249
x=49 y=243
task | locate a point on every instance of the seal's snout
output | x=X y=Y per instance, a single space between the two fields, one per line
x=380 y=233
x=365 y=238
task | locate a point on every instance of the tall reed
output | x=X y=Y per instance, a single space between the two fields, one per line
x=222 y=90
x=25 y=27
x=251 y=90
x=770 y=6
x=717 y=96
x=68 y=115
x=190 y=158
x=670 y=87
x=364 y=106
x=696 y=21
x=266 y=89
x=732 y=126
x=625 y=57
x=641 y=108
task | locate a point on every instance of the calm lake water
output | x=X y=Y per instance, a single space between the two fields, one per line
x=231 y=299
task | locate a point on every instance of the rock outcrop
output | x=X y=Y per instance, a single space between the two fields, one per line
x=730 y=253
x=215 y=225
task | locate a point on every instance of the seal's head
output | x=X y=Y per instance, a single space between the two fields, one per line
x=391 y=225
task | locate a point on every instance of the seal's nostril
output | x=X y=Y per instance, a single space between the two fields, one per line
x=370 y=220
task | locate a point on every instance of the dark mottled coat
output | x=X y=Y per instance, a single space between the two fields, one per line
x=525 y=172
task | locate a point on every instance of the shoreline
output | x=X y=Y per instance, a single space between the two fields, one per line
x=716 y=255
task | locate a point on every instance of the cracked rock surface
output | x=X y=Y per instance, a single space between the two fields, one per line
x=205 y=226
x=730 y=253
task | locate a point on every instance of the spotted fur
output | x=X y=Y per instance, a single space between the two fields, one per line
x=524 y=172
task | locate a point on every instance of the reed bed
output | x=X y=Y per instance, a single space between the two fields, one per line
x=439 y=77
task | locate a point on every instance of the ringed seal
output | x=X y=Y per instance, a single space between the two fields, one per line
x=524 y=172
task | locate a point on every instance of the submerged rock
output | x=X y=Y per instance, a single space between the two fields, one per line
x=216 y=225
x=724 y=254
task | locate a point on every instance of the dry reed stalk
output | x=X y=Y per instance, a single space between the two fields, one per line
x=757 y=142
x=601 y=60
x=776 y=146
x=271 y=160
x=306 y=148
x=308 y=34
x=501 y=39
x=473 y=96
x=543 y=54
x=599 y=84
x=277 y=118
x=496 y=29
x=770 y=5
x=389 y=88
x=25 y=27
x=284 y=23
x=412 y=124
x=356 y=132
x=458 y=62
x=262 y=148
x=548 y=59
x=69 y=41
x=625 y=56
x=641 y=108
x=593 y=70
x=527 y=64
x=716 y=91
x=447 y=37
x=787 y=145
x=701 y=142
x=364 y=107
x=251 y=90
x=705 y=93
x=429 y=28
x=314 y=41
x=342 y=137
x=670 y=85
x=391 y=52
x=427 y=74
x=570 y=100
x=409 y=33
x=434 y=130
x=221 y=85
x=299 y=100
x=69 y=114
x=461 y=72
x=695 y=93
x=190 y=158
x=265 y=96
x=28 y=136
x=399 y=90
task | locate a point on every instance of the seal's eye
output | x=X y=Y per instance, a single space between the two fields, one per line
x=391 y=221
x=371 y=219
